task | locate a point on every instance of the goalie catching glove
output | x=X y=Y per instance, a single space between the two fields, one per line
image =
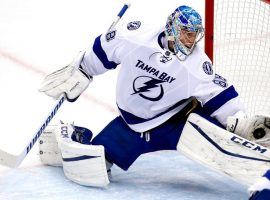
x=256 y=129
x=71 y=80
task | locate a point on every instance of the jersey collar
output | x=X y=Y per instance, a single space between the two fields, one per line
x=161 y=38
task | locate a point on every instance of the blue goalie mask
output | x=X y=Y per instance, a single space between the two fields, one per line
x=184 y=29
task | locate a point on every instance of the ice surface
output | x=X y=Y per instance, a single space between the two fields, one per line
x=38 y=37
x=156 y=176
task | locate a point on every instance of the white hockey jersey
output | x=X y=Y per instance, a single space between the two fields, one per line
x=153 y=84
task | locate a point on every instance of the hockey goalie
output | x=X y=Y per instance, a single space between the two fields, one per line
x=168 y=97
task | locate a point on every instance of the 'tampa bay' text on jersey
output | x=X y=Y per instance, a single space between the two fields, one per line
x=153 y=84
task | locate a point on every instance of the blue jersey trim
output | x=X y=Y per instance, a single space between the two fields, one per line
x=130 y=118
x=100 y=53
x=215 y=103
x=133 y=119
x=267 y=175
x=261 y=195
x=221 y=149
x=79 y=158
x=160 y=36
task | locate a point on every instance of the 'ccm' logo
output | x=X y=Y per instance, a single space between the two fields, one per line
x=64 y=131
x=247 y=144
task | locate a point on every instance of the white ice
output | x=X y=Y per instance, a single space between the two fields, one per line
x=38 y=37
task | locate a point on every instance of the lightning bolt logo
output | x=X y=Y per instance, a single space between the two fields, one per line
x=147 y=87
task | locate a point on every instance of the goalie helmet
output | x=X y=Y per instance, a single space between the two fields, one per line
x=184 y=21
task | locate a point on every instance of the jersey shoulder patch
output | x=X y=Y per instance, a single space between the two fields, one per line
x=207 y=68
x=110 y=35
x=134 y=25
x=219 y=80
x=200 y=65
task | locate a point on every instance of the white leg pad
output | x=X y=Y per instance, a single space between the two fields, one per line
x=223 y=151
x=83 y=164
x=49 y=153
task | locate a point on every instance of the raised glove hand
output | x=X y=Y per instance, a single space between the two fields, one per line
x=71 y=80
x=256 y=128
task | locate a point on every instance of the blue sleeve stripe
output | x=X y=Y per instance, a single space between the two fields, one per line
x=100 y=53
x=215 y=103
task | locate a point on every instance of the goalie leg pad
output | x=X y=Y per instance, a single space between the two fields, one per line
x=223 y=151
x=83 y=164
x=49 y=153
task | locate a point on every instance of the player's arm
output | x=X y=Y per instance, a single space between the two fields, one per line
x=218 y=98
x=221 y=101
x=226 y=107
x=215 y=147
x=103 y=55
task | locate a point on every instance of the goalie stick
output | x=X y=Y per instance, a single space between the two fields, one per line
x=11 y=160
